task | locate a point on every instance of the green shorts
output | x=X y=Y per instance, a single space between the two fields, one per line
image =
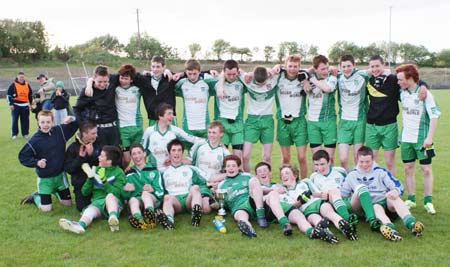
x=182 y=199
x=205 y=191
x=198 y=133
x=313 y=208
x=412 y=151
x=259 y=128
x=130 y=135
x=234 y=132
x=385 y=136
x=322 y=132
x=246 y=206
x=351 y=132
x=51 y=185
x=101 y=205
x=293 y=132
x=391 y=214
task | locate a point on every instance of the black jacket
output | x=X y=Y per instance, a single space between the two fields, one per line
x=73 y=161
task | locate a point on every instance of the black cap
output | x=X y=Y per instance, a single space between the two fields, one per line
x=40 y=76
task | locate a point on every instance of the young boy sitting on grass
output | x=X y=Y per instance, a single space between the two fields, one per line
x=144 y=188
x=45 y=152
x=105 y=183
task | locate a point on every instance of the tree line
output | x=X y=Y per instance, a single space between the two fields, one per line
x=28 y=41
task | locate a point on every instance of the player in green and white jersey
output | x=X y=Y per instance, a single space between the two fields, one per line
x=182 y=184
x=259 y=125
x=128 y=99
x=244 y=196
x=229 y=106
x=419 y=125
x=279 y=209
x=208 y=156
x=322 y=127
x=144 y=189
x=352 y=89
x=291 y=109
x=195 y=92
x=156 y=137
x=327 y=179
x=298 y=193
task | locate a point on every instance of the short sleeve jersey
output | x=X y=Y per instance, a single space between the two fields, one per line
x=128 y=106
x=290 y=97
x=155 y=143
x=260 y=97
x=321 y=105
x=179 y=179
x=352 y=95
x=332 y=180
x=195 y=102
x=416 y=115
x=207 y=158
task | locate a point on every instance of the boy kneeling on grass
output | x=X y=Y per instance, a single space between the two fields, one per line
x=105 y=183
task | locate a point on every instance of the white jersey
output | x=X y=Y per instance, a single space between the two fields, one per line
x=292 y=194
x=207 y=158
x=155 y=143
x=195 y=103
x=321 y=105
x=231 y=105
x=416 y=115
x=290 y=99
x=260 y=97
x=332 y=180
x=352 y=95
x=128 y=106
x=179 y=179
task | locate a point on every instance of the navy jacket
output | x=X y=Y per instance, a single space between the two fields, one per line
x=50 y=146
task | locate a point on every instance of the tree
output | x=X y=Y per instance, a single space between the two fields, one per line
x=23 y=40
x=341 y=48
x=410 y=52
x=148 y=48
x=443 y=58
x=194 y=48
x=232 y=50
x=372 y=50
x=219 y=47
x=268 y=52
x=244 y=51
x=312 y=52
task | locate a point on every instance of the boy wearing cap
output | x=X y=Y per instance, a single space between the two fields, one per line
x=60 y=101
x=46 y=90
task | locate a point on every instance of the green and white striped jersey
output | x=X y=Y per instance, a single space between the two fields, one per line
x=260 y=97
x=416 y=115
x=321 y=105
x=332 y=180
x=207 y=158
x=231 y=106
x=195 y=102
x=289 y=98
x=179 y=179
x=293 y=194
x=155 y=143
x=352 y=95
x=128 y=105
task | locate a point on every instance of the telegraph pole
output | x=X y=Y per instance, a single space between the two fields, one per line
x=139 y=35
x=390 y=37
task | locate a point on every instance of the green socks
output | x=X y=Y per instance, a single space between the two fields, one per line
x=409 y=221
x=366 y=203
x=427 y=199
x=309 y=231
x=138 y=215
x=260 y=212
x=341 y=209
x=83 y=224
x=283 y=221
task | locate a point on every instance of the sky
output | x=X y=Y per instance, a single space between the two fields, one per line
x=243 y=23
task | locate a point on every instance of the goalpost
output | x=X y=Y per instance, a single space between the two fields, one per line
x=78 y=82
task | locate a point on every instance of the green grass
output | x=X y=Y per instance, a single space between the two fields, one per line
x=32 y=238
